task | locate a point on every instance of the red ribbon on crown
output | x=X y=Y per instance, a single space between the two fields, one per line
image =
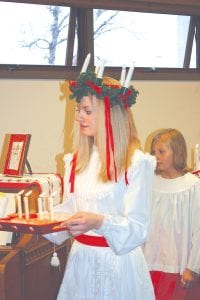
x=124 y=97
x=95 y=87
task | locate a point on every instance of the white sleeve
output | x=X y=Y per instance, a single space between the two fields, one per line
x=129 y=230
x=57 y=237
x=194 y=254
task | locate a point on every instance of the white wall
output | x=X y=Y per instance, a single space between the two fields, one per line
x=34 y=107
x=170 y=104
x=39 y=108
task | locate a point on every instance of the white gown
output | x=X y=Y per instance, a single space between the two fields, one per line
x=174 y=242
x=118 y=272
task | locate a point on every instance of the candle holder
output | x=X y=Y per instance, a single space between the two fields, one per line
x=124 y=90
x=32 y=225
x=35 y=223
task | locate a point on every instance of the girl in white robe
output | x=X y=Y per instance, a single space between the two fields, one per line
x=173 y=248
x=107 y=192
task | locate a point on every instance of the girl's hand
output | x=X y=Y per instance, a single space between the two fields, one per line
x=189 y=278
x=82 y=222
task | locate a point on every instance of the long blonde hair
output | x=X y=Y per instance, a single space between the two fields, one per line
x=124 y=134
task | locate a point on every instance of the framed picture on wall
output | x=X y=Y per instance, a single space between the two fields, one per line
x=16 y=154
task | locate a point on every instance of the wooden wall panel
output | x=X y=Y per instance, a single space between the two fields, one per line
x=184 y=7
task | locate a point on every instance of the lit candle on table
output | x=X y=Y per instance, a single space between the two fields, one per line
x=86 y=63
x=26 y=205
x=129 y=76
x=123 y=75
x=19 y=203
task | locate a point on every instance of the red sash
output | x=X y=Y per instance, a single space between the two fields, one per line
x=91 y=240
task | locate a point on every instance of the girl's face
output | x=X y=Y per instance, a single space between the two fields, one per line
x=85 y=115
x=165 y=159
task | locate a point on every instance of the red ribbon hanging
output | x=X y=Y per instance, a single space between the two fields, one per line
x=126 y=177
x=109 y=139
x=72 y=174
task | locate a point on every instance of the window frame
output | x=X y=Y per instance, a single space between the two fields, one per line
x=83 y=10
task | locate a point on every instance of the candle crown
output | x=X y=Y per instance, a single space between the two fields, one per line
x=88 y=83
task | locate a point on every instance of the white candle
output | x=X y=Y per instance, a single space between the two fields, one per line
x=197 y=162
x=19 y=203
x=129 y=76
x=51 y=213
x=123 y=75
x=51 y=203
x=101 y=69
x=86 y=63
x=26 y=205
x=96 y=70
x=41 y=205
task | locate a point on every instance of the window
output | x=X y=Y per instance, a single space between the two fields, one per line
x=49 y=41
x=33 y=34
x=150 y=40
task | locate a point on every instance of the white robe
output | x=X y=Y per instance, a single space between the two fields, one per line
x=118 y=272
x=174 y=242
